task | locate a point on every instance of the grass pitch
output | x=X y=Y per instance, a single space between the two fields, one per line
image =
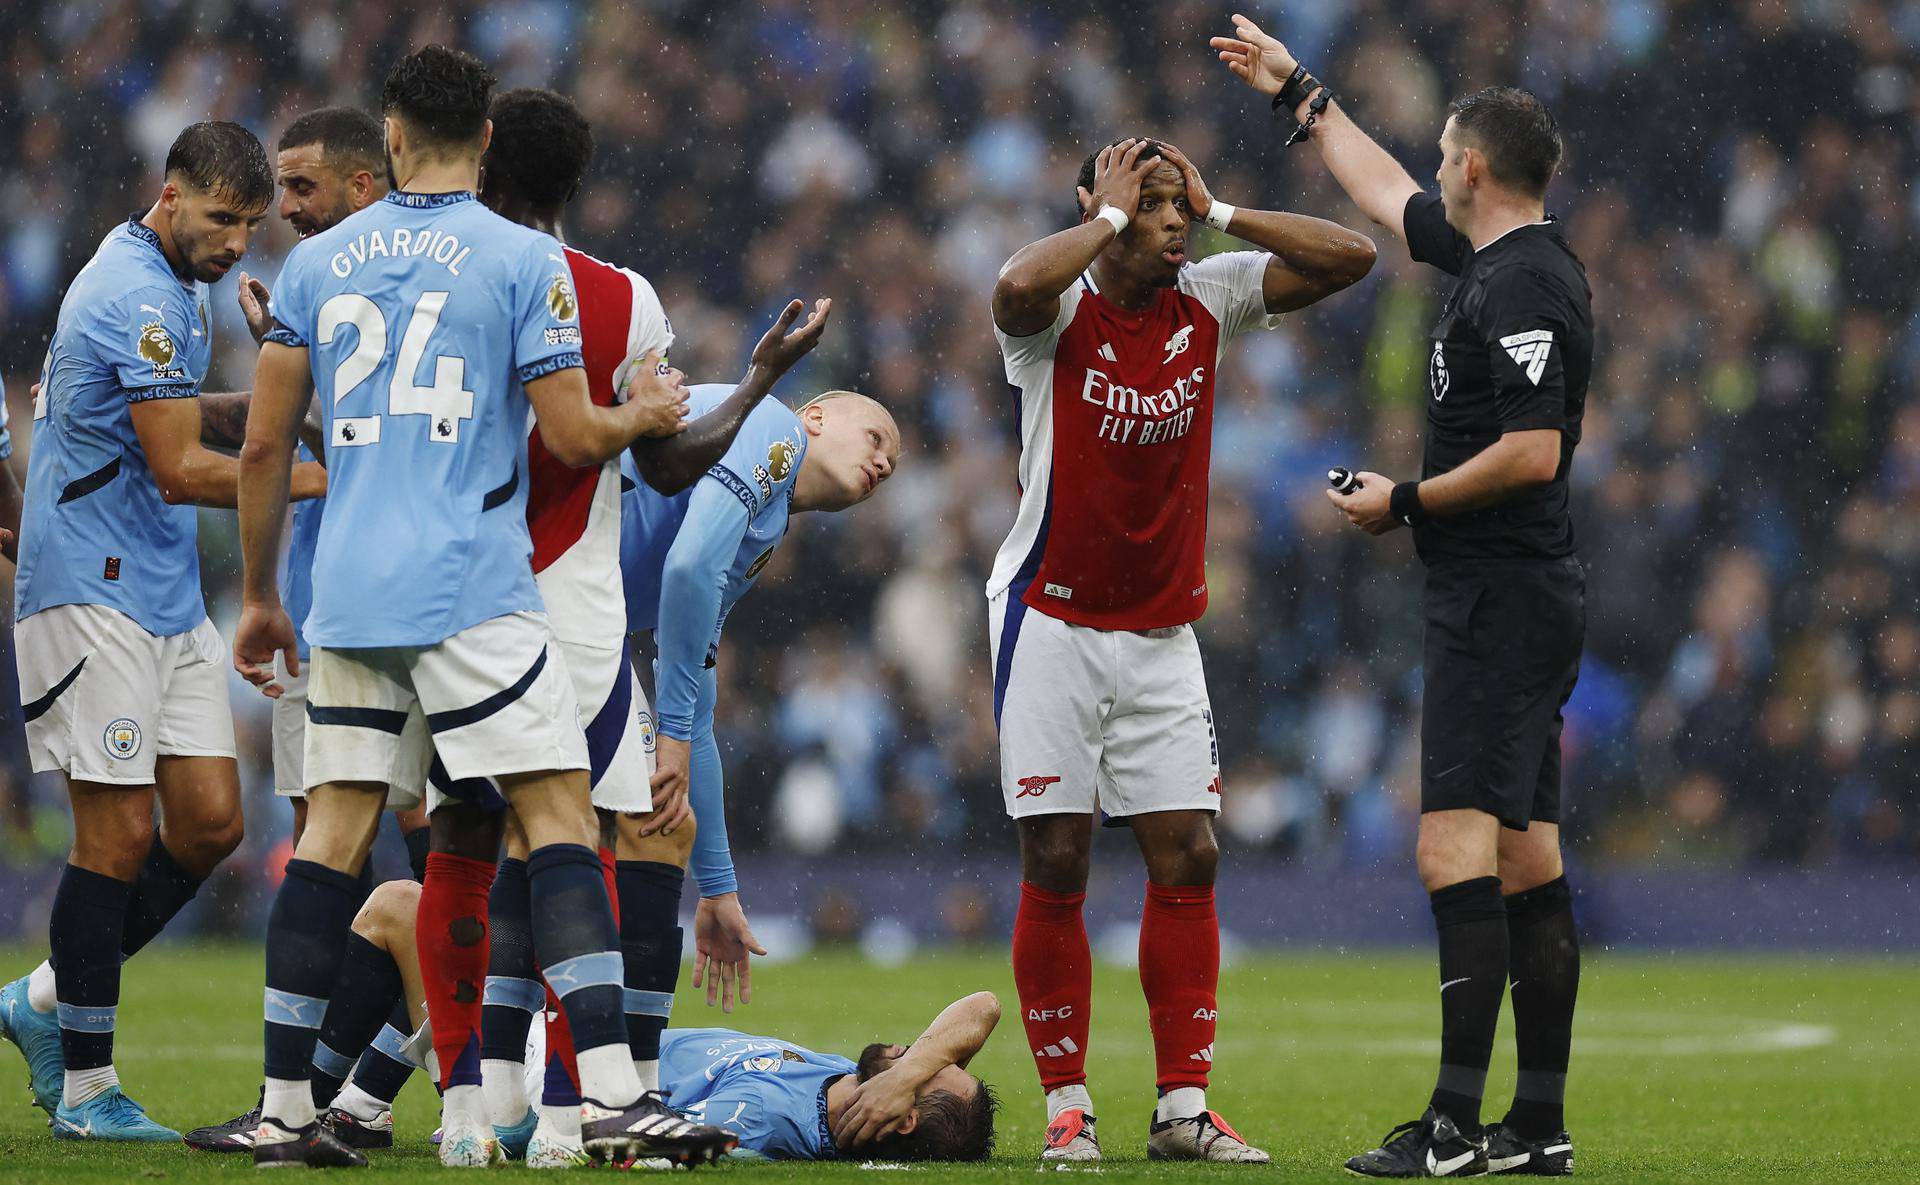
x=1686 y=1068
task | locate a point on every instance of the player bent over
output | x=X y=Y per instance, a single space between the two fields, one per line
x=120 y=669
x=1113 y=339
x=430 y=327
x=1512 y=355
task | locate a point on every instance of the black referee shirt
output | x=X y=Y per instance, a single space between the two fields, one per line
x=1512 y=351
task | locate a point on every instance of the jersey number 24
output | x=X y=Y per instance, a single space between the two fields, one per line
x=446 y=403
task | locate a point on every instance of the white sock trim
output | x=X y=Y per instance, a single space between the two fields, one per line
x=84 y=1086
x=288 y=1102
x=359 y=1104
x=607 y=1075
x=649 y=1075
x=504 y=1083
x=40 y=991
x=1068 y=1098
x=1182 y=1102
x=561 y=1121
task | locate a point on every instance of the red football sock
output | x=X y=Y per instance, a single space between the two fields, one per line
x=452 y=934
x=1053 y=971
x=612 y=869
x=560 y=1049
x=1180 y=973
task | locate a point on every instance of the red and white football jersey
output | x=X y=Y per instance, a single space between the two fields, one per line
x=1116 y=432
x=574 y=514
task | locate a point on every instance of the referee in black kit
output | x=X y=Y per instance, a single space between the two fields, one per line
x=1505 y=597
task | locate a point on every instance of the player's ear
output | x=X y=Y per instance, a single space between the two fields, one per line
x=911 y=1121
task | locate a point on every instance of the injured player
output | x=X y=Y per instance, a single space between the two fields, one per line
x=787 y=1102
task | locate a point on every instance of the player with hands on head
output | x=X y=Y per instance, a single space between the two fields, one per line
x=1508 y=372
x=1114 y=339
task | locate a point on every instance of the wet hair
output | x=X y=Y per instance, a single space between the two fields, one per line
x=1517 y=133
x=441 y=94
x=350 y=140
x=223 y=158
x=1085 y=179
x=540 y=148
x=949 y=1128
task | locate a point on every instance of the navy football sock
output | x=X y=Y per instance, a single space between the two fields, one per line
x=363 y=997
x=161 y=889
x=307 y=933
x=83 y=935
x=383 y=1069
x=418 y=842
x=651 y=942
x=577 y=946
x=513 y=992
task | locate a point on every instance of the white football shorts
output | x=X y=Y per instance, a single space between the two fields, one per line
x=1090 y=720
x=618 y=722
x=103 y=697
x=494 y=698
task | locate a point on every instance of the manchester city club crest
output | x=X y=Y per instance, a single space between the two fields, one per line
x=122 y=738
x=645 y=721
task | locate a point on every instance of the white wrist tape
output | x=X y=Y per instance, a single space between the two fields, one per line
x=1115 y=218
x=1219 y=214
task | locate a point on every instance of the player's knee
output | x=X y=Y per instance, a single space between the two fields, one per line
x=211 y=841
x=389 y=912
x=1055 y=860
x=1188 y=859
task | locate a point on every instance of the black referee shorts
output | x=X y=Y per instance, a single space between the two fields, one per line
x=1503 y=642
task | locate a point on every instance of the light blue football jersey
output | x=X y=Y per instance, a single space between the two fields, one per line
x=773 y=1094
x=96 y=531
x=424 y=315
x=759 y=469
x=296 y=574
x=6 y=437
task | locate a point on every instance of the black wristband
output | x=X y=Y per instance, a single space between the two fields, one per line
x=1294 y=90
x=1404 y=504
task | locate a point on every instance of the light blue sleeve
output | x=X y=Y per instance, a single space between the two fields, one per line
x=6 y=440
x=143 y=337
x=712 y=859
x=546 y=323
x=693 y=584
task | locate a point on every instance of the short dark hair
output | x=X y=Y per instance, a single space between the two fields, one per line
x=950 y=1128
x=223 y=158
x=1515 y=130
x=440 y=93
x=347 y=135
x=1085 y=180
x=540 y=148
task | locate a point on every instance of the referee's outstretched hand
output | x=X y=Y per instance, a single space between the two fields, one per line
x=1370 y=507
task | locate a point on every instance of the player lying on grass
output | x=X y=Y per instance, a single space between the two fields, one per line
x=785 y=1102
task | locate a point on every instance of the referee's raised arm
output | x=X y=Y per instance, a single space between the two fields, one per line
x=1372 y=178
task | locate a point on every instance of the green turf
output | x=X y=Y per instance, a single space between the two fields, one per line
x=1686 y=1068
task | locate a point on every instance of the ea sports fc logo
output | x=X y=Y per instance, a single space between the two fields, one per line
x=1034 y=787
x=122 y=738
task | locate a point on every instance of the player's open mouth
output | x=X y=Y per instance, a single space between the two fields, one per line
x=1175 y=254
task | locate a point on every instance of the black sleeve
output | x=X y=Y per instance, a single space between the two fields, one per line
x=1524 y=320
x=1430 y=239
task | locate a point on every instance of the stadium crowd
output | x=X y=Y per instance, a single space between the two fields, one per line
x=1747 y=486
